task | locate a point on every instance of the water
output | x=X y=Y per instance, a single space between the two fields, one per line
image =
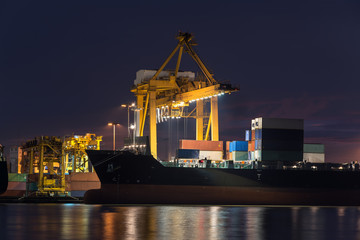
x=79 y=221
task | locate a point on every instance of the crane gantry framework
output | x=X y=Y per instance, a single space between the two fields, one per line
x=167 y=94
x=51 y=158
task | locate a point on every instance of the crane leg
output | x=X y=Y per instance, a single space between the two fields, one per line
x=153 y=136
x=200 y=120
x=214 y=119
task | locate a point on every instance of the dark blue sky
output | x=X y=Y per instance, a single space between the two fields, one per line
x=66 y=67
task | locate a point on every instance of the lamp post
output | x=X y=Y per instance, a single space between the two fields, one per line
x=114 y=125
x=133 y=127
x=128 y=110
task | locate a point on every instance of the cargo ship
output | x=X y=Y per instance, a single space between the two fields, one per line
x=281 y=177
x=3 y=171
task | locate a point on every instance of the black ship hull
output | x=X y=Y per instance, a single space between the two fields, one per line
x=3 y=177
x=140 y=179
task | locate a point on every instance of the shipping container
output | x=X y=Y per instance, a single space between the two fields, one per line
x=280 y=123
x=238 y=146
x=201 y=145
x=17 y=177
x=252 y=155
x=211 y=155
x=248 y=135
x=252 y=135
x=281 y=145
x=252 y=124
x=251 y=145
x=187 y=153
x=282 y=134
x=314 y=157
x=314 y=148
x=258 y=144
x=228 y=146
x=257 y=155
x=257 y=125
x=258 y=134
x=16 y=186
x=239 y=155
x=284 y=156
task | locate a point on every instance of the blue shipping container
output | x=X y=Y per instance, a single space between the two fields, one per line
x=231 y=147
x=258 y=144
x=188 y=153
x=241 y=145
x=247 y=135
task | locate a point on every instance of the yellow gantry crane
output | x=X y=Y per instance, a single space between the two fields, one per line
x=166 y=93
x=48 y=158
x=76 y=159
x=44 y=156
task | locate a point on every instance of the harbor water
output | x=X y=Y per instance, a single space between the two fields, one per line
x=80 y=221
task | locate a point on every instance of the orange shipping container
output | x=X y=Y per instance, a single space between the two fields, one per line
x=227 y=146
x=251 y=147
x=201 y=145
x=252 y=134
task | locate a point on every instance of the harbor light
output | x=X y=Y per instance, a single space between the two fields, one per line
x=114 y=125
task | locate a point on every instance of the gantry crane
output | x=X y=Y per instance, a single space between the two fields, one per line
x=49 y=158
x=76 y=159
x=166 y=93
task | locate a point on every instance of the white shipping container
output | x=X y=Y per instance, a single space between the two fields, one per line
x=279 y=123
x=257 y=123
x=211 y=155
x=314 y=157
x=253 y=124
x=251 y=155
x=257 y=155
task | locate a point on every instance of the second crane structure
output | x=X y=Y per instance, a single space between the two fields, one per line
x=165 y=94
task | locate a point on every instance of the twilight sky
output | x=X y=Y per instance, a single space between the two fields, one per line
x=67 y=66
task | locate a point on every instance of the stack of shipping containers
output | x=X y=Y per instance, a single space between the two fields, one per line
x=200 y=150
x=250 y=138
x=239 y=150
x=274 y=140
x=314 y=153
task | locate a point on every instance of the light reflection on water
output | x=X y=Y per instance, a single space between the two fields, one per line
x=77 y=221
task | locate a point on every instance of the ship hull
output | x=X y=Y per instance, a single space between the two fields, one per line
x=138 y=179
x=220 y=195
